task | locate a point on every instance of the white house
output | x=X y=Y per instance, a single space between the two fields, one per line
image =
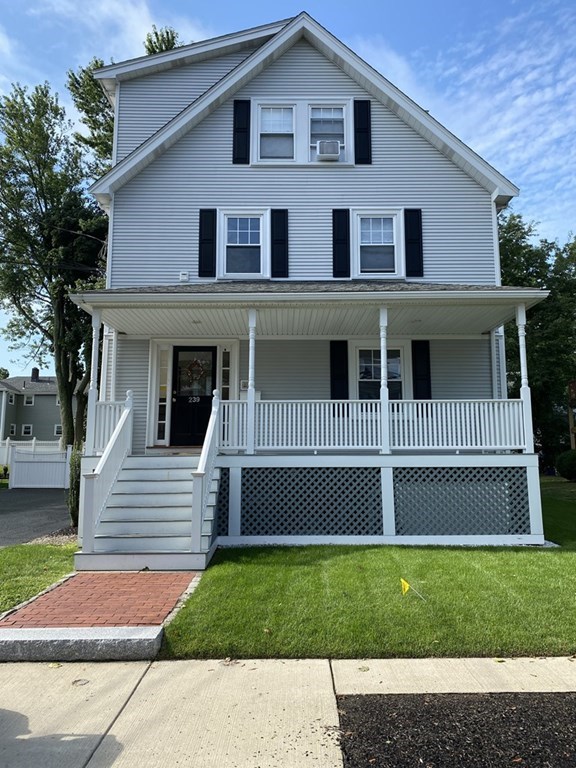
x=283 y=220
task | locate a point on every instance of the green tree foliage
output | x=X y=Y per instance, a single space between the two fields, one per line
x=551 y=327
x=159 y=40
x=96 y=112
x=51 y=236
x=4 y=373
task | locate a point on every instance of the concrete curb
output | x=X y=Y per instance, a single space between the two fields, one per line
x=81 y=644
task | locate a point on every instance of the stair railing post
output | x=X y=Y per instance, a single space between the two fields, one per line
x=197 y=504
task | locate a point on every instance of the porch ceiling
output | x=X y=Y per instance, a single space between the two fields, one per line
x=189 y=311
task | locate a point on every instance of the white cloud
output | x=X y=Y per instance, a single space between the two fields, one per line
x=114 y=30
x=508 y=92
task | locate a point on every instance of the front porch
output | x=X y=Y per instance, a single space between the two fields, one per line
x=384 y=457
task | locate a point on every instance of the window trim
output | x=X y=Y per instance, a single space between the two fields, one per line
x=302 y=111
x=57 y=430
x=24 y=433
x=265 y=250
x=12 y=431
x=11 y=398
x=397 y=217
x=405 y=348
x=31 y=403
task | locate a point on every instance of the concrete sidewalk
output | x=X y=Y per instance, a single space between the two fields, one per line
x=221 y=714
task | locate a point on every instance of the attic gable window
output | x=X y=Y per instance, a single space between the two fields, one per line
x=302 y=132
x=327 y=132
x=276 y=133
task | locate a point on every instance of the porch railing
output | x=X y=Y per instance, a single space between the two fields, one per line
x=456 y=425
x=107 y=417
x=428 y=425
x=99 y=483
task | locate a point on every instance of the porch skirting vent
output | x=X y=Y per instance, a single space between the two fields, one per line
x=465 y=501
x=311 y=501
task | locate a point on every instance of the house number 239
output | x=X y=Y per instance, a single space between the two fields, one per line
x=193 y=399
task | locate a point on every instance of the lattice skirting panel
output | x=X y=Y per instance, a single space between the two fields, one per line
x=222 y=503
x=461 y=501
x=311 y=501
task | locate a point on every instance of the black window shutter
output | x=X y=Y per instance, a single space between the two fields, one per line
x=362 y=133
x=339 y=370
x=341 y=242
x=279 y=243
x=421 y=382
x=207 y=243
x=241 y=132
x=413 y=242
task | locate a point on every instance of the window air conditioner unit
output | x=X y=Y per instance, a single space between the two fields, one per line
x=328 y=150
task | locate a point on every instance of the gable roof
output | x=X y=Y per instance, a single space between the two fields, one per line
x=183 y=55
x=305 y=27
x=23 y=385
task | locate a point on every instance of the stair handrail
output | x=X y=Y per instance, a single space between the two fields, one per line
x=202 y=476
x=98 y=484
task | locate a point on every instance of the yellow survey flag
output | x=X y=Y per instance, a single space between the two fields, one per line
x=405 y=586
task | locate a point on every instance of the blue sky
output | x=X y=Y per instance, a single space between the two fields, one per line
x=500 y=74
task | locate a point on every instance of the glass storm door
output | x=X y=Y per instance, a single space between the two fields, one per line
x=193 y=381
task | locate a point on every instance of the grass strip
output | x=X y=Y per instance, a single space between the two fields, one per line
x=346 y=602
x=26 y=569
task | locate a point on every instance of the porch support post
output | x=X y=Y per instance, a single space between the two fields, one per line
x=524 y=388
x=251 y=394
x=93 y=391
x=384 y=416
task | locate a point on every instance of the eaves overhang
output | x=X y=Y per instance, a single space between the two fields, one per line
x=183 y=55
x=429 y=311
x=303 y=26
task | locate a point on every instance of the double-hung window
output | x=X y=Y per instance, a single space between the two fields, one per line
x=28 y=399
x=377 y=238
x=302 y=132
x=327 y=134
x=276 y=133
x=369 y=373
x=244 y=251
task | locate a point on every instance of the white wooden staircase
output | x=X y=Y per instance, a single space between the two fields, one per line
x=147 y=521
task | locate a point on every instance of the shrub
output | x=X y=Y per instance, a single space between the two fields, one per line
x=566 y=465
x=74 y=492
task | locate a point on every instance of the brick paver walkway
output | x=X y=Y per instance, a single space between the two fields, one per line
x=104 y=600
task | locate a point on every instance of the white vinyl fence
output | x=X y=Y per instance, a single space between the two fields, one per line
x=38 y=446
x=39 y=469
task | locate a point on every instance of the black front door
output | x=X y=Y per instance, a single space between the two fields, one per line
x=193 y=381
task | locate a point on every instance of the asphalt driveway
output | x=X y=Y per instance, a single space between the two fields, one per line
x=26 y=514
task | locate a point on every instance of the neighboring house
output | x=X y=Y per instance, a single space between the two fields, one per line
x=30 y=408
x=282 y=220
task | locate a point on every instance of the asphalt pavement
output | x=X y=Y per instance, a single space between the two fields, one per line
x=26 y=514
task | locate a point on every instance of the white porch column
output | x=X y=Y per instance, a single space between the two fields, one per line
x=524 y=388
x=251 y=394
x=93 y=391
x=384 y=417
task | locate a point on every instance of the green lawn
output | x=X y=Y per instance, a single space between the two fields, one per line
x=27 y=569
x=346 y=601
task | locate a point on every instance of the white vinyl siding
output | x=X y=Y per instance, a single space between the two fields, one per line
x=157 y=212
x=461 y=369
x=132 y=373
x=147 y=103
x=290 y=370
